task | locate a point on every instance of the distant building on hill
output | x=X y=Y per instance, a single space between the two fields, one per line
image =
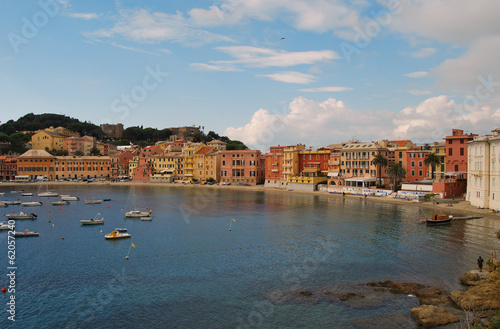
x=112 y=130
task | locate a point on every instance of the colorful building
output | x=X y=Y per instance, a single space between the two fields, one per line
x=456 y=151
x=440 y=149
x=206 y=164
x=47 y=140
x=274 y=176
x=34 y=163
x=167 y=167
x=416 y=169
x=188 y=153
x=242 y=166
x=82 y=167
x=8 y=168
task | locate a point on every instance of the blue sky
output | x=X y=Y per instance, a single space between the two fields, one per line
x=265 y=72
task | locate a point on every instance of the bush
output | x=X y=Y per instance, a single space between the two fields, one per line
x=498 y=234
x=429 y=195
x=380 y=186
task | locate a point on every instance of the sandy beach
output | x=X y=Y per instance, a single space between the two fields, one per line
x=459 y=208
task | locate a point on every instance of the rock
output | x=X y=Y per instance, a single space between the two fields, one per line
x=470 y=278
x=429 y=293
x=431 y=316
x=484 y=296
x=398 y=288
x=494 y=276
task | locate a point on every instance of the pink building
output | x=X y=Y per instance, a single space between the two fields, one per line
x=242 y=166
x=73 y=145
x=143 y=170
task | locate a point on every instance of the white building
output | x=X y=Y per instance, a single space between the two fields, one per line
x=483 y=173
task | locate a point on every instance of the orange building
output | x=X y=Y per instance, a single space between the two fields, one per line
x=456 y=151
x=82 y=167
x=242 y=167
x=274 y=167
x=416 y=170
x=8 y=168
x=34 y=163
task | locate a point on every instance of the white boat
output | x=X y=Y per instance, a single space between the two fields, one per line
x=17 y=202
x=69 y=198
x=146 y=218
x=60 y=203
x=98 y=219
x=93 y=201
x=4 y=226
x=16 y=191
x=3 y=204
x=118 y=233
x=2 y=193
x=27 y=194
x=31 y=204
x=137 y=213
x=48 y=194
x=26 y=233
x=21 y=215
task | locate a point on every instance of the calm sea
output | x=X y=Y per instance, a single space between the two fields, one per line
x=284 y=263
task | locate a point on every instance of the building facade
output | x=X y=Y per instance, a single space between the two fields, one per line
x=242 y=167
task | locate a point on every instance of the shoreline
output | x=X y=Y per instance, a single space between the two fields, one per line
x=459 y=208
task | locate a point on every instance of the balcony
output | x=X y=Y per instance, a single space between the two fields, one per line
x=287 y=166
x=333 y=163
x=274 y=170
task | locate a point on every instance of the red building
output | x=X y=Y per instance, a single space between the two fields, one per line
x=143 y=170
x=456 y=151
x=314 y=163
x=8 y=168
x=274 y=166
x=242 y=166
x=416 y=170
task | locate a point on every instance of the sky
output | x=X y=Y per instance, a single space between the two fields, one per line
x=273 y=72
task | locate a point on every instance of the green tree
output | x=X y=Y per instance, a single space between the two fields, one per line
x=18 y=140
x=236 y=145
x=79 y=153
x=380 y=161
x=396 y=172
x=95 y=151
x=432 y=160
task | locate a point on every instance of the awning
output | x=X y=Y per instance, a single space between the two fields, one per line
x=333 y=174
x=361 y=179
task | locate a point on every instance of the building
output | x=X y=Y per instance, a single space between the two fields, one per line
x=334 y=168
x=188 y=153
x=47 y=140
x=206 y=164
x=82 y=167
x=140 y=168
x=242 y=167
x=416 y=169
x=440 y=149
x=483 y=175
x=456 y=151
x=34 y=163
x=112 y=130
x=291 y=161
x=8 y=168
x=273 y=172
x=120 y=164
x=74 y=145
x=167 y=167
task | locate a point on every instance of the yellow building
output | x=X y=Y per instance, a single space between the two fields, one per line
x=440 y=149
x=206 y=164
x=167 y=167
x=47 y=140
x=188 y=153
x=291 y=160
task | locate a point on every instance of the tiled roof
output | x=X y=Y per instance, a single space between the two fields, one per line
x=36 y=154
x=205 y=150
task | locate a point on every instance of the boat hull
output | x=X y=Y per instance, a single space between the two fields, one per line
x=25 y=234
x=438 y=220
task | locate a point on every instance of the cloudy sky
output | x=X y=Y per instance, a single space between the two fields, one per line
x=265 y=72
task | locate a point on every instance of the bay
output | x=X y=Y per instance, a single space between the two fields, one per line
x=188 y=270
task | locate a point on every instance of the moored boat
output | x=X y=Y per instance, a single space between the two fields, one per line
x=4 y=226
x=69 y=198
x=93 y=201
x=21 y=215
x=3 y=204
x=48 y=194
x=137 y=213
x=146 y=218
x=439 y=219
x=60 y=203
x=31 y=204
x=14 y=203
x=27 y=194
x=118 y=233
x=98 y=219
x=26 y=233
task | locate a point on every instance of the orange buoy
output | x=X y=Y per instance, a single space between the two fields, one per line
x=62 y=238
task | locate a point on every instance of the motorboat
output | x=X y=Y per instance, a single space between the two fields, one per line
x=26 y=233
x=439 y=219
x=93 y=201
x=98 y=219
x=5 y=226
x=31 y=204
x=146 y=218
x=118 y=233
x=48 y=194
x=21 y=215
x=27 y=194
x=15 y=203
x=69 y=198
x=60 y=203
x=2 y=193
x=3 y=204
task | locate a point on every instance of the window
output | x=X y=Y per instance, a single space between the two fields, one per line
x=413 y=163
x=420 y=173
x=413 y=172
x=450 y=152
x=420 y=164
x=461 y=151
x=456 y=167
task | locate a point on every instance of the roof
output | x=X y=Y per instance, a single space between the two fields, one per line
x=36 y=154
x=204 y=150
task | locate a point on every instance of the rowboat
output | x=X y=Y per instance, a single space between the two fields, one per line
x=439 y=219
x=27 y=194
x=4 y=226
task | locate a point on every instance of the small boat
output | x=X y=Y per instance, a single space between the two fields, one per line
x=2 y=193
x=118 y=233
x=146 y=218
x=3 y=204
x=106 y=199
x=48 y=194
x=69 y=198
x=4 y=226
x=21 y=191
x=26 y=233
x=98 y=219
x=27 y=194
x=31 y=204
x=136 y=213
x=60 y=203
x=92 y=201
x=15 y=203
x=21 y=215
x=439 y=219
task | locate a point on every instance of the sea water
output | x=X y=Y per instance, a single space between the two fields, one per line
x=226 y=258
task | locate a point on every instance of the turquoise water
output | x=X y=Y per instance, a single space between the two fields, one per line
x=189 y=271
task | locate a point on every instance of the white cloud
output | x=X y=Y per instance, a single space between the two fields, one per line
x=424 y=52
x=418 y=92
x=142 y=26
x=291 y=77
x=310 y=122
x=209 y=67
x=333 y=89
x=85 y=16
x=418 y=74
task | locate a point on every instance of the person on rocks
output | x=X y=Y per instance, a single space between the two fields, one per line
x=480 y=263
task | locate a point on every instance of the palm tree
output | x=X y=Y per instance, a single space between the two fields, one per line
x=432 y=160
x=396 y=172
x=380 y=161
